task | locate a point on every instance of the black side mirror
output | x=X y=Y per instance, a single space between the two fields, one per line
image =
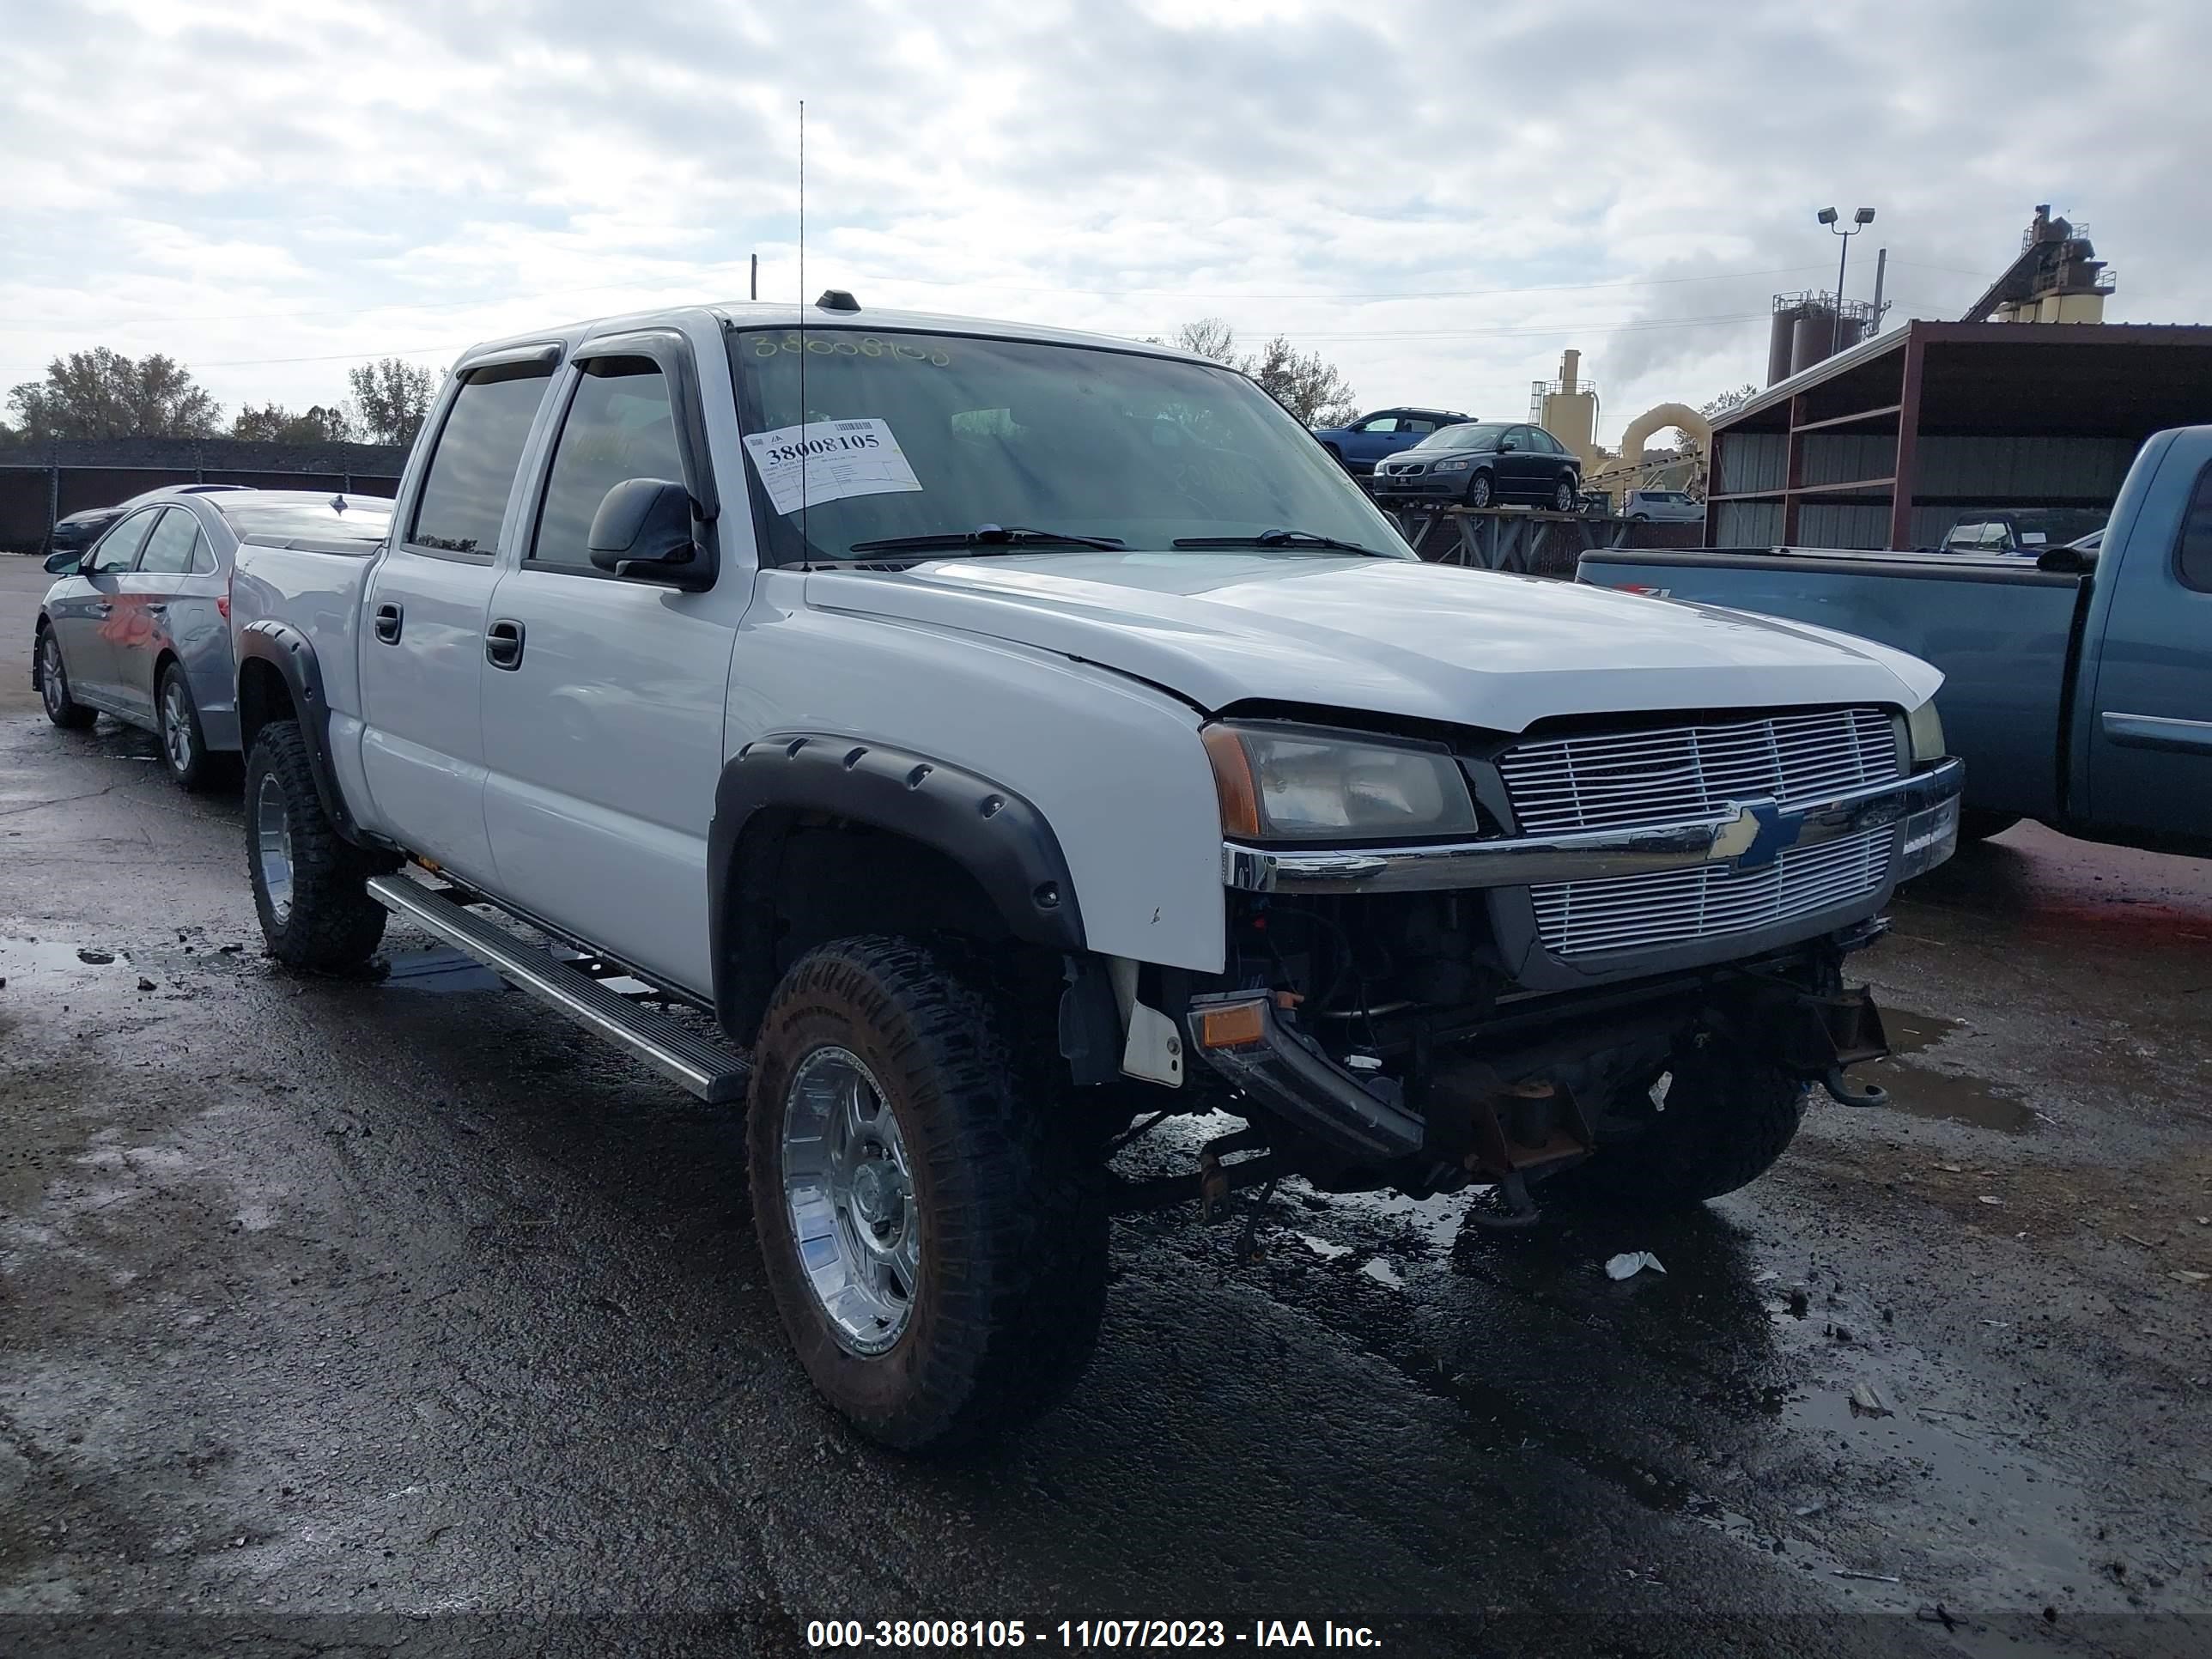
x=643 y=528
x=64 y=564
x=1506 y=446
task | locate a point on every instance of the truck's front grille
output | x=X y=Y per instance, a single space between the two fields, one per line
x=1611 y=780
x=1675 y=774
x=1630 y=913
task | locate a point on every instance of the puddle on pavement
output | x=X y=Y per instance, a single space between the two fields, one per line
x=1925 y=1093
x=1980 y=1470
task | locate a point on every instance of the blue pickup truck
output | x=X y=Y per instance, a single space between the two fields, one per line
x=2078 y=688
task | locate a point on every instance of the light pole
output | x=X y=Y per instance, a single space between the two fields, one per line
x=1860 y=220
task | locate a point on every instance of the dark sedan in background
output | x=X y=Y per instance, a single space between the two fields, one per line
x=1482 y=464
x=79 y=531
x=138 y=627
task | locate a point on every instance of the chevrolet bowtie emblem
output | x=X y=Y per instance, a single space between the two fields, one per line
x=1758 y=834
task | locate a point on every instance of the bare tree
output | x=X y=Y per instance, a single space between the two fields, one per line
x=274 y=423
x=101 y=393
x=1303 y=382
x=1729 y=400
x=393 y=397
x=1210 y=337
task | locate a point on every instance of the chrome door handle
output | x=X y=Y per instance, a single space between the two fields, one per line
x=101 y=610
x=157 y=609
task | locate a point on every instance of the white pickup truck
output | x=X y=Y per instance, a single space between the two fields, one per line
x=997 y=733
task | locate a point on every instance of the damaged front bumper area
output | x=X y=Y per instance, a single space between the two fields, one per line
x=1376 y=1013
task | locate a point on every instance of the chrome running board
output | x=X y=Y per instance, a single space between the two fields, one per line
x=696 y=1063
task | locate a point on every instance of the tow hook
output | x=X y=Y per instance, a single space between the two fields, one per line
x=1845 y=1092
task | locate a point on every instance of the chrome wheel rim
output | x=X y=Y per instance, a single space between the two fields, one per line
x=177 y=728
x=1563 y=498
x=272 y=834
x=50 y=674
x=1478 y=493
x=848 y=1189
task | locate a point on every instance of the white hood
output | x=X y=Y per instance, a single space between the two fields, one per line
x=1424 y=641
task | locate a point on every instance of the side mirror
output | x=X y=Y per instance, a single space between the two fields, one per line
x=1506 y=445
x=643 y=528
x=64 y=564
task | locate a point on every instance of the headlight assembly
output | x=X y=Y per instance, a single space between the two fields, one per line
x=1297 y=783
x=1924 y=728
x=1454 y=466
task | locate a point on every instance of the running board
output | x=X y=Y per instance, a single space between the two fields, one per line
x=671 y=1048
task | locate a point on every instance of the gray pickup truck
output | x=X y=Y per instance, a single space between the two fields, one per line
x=2077 y=688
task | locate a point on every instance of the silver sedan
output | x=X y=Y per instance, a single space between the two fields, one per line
x=138 y=627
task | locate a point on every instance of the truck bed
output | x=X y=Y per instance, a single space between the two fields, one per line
x=2003 y=631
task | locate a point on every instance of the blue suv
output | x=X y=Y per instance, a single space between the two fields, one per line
x=1369 y=439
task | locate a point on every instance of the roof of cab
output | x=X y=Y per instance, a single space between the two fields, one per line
x=739 y=315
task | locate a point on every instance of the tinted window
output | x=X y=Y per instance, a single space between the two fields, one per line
x=464 y=497
x=168 y=551
x=119 y=549
x=203 y=558
x=2196 y=551
x=621 y=425
x=1417 y=424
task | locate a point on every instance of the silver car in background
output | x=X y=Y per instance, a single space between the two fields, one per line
x=1663 y=507
x=138 y=627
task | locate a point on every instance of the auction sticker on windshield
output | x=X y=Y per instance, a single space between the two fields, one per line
x=828 y=460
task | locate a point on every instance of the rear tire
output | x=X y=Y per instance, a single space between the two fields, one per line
x=184 y=748
x=310 y=883
x=1563 y=495
x=1005 y=1263
x=62 y=710
x=1726 y=1118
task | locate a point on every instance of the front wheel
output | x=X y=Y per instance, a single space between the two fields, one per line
x=1563 y=495
x=1480 y=491
x=1715 y=1121
x=62 y=710
x=931 y=1230
x=310 y=883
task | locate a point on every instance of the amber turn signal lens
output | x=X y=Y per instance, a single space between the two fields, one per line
x=1233 y=1027
x=1232 y=782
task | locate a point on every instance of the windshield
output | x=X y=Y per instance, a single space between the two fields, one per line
x=912 y=435
x=1462 y=437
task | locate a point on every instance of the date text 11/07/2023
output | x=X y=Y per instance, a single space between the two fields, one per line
x=954 y=1634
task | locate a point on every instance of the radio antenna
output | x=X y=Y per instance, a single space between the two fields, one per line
x=804 y=545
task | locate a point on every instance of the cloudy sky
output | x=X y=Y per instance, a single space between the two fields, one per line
x=1438 y=195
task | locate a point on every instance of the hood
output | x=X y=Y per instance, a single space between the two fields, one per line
x=1422 y=641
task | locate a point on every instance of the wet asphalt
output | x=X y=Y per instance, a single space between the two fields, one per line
x=394 y=1315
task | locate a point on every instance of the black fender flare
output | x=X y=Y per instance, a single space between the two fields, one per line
x=285 y=649
x=997 y=835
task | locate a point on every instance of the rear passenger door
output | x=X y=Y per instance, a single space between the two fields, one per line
x=603 y=730
x=144 y=601
x=422 y=660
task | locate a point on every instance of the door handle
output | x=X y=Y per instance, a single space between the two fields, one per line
x=101 y=610
x=503 y=644
x=158 y=609
x=388 y=619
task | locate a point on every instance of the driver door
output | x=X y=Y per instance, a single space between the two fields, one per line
x=84 y=618
x=603 y=718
